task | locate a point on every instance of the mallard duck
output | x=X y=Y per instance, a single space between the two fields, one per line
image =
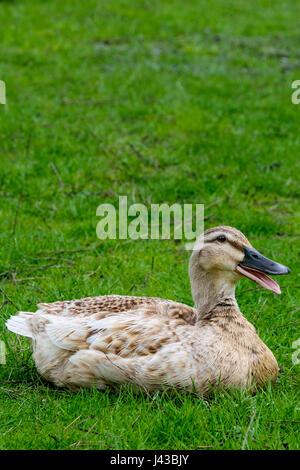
x=111 y=340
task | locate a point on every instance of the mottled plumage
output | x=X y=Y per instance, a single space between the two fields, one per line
x=110 y=340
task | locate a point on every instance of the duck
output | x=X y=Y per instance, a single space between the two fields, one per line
x=152 y=343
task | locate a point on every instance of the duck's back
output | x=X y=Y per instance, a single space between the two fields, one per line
x=107 y=305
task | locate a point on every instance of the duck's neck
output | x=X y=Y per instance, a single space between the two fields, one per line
x=211 y=290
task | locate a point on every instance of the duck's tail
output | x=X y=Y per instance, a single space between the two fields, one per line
x=18 y=324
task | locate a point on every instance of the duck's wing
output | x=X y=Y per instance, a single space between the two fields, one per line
x=138 y=347
x=137 y=333
x=109 y=340
x=110 y=305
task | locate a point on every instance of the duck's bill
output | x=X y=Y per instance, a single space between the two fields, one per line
x=255 y=266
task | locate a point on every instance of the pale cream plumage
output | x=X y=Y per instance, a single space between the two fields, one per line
x=111 y=340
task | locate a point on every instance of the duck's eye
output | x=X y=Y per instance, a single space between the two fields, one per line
x=221 y=238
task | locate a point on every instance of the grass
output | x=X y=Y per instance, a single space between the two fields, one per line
x=162 y=101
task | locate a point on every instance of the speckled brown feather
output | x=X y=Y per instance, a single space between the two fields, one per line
x=109 y=304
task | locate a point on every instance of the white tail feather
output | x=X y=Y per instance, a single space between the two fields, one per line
x=18 y=324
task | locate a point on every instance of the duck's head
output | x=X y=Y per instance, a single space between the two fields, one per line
x=223 y=255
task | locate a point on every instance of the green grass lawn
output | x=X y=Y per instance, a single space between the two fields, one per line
x=162 y=101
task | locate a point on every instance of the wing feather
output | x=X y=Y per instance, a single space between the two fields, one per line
x=68 y=335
